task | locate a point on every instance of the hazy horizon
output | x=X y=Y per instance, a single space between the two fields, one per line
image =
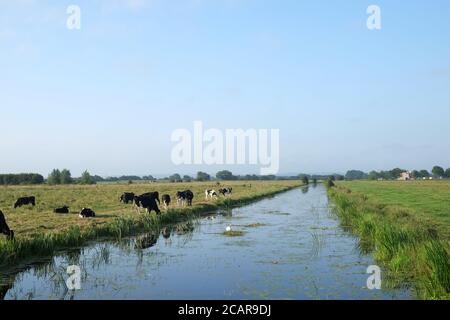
x=107 y=97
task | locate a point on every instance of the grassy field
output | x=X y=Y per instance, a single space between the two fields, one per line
x=39 y=231
x=406 y=226
x=428 y=201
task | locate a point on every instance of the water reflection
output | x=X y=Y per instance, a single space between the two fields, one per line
x=146 y=241
x=291 y=247
x=305 y=189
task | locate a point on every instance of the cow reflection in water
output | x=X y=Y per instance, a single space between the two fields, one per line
x=166 y=233
x=146 y=241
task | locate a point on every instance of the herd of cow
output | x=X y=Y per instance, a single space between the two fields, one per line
x=148 y=201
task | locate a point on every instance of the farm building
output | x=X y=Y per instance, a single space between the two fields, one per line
x=405 y=176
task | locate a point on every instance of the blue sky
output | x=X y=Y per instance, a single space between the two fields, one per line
x=107 y=97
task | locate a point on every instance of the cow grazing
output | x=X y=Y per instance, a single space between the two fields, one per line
x=127 y=197
x=210 y=194
x=154 y=195
x=24 y=201
x=64 y=209
x=166 y=200
x=87 y=213
x=148 y=202
x=4 y=229
x=184 y=197
x=225 y=191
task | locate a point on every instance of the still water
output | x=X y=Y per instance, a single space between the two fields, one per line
x=292 y=248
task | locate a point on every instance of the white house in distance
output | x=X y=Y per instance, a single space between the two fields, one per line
x=405 y=176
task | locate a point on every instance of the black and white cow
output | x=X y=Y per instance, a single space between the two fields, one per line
x=210 y=194
x=166 y=200
x=185 y=197
x=154 y=195
x=24 y=201
x=127 y=197
x=87 y=213
x=64 y=209
x=147 y=201
x=4 y=229
x=225 y=191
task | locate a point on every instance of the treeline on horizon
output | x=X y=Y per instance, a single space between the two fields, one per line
x=61 y=177
x=436 y=172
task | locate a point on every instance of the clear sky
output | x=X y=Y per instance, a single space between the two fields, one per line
x=107 y=97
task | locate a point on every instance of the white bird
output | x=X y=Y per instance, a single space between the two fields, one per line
x=228 y=228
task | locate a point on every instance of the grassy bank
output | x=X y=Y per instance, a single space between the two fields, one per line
x=411 y=247
x=40 y=232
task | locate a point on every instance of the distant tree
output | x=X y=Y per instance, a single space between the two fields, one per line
x=126 y=178
x=340 y=177
x=305 y=180
x=54 y=177
x=148 y=178
x=268 y=177
x=447 y=173
x=332 y=178
x=424 y=173
x=438 y=171
x=86 y=178
x=65 y=177
x=187 y=178
x=225 y=175
x=175 y=177
x=21 y=178
x=36 y=178
x=97 y=178
x=250 y=177
x=387 y=175
x=315 y=181
x=415 y=174
x=203 y=176
x=373 y=175
x=396 y=173
x=355 y=175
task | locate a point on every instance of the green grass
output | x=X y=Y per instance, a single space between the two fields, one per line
x=40 y=232
x=428 y=201
x=233 y=233
x=411 y=244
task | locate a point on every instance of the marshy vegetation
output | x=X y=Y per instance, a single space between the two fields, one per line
x=40 y=232
x=413 y=247
x=233 y=233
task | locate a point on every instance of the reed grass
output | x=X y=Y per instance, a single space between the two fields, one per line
x=410 y=250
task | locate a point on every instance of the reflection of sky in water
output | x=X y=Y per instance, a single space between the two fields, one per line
x=299 y=252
